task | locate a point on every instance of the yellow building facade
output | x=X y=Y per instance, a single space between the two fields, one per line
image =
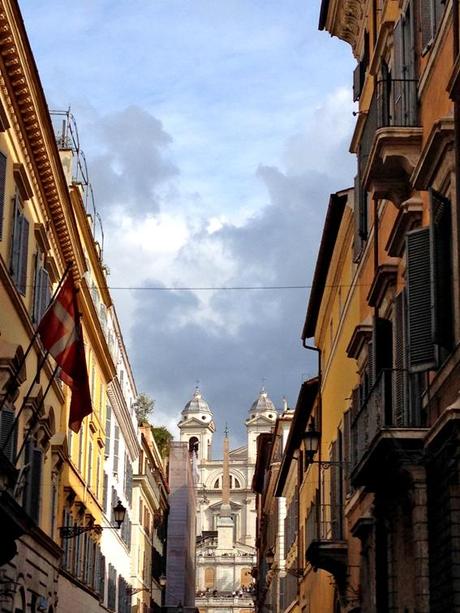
x=383 y=313
x=52 y=478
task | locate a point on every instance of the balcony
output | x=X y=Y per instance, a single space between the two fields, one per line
x=390 y=140
x=387 y=428
x=326 y=546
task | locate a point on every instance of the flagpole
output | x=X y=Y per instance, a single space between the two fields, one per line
x=35 y=415
x=32 y=342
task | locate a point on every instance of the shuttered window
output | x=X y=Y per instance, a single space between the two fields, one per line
x=431 y=12
x=105 y=492
x=42 y=291
x=112 y=588
x=441 y=262
x=421 y=347
x=116 y=447
x=400 y=375
x=108 y=427
x=346 y=451
x=33 y=475
x=19 y=246
x=2 y=191
x=8 y=433
x=360 y=218
x=90 y=464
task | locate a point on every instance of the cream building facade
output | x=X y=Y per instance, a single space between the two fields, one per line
x=226 y=505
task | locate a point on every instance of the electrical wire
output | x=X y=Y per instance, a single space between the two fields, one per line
x=221 y=288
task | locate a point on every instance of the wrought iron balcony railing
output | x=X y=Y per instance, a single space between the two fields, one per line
x=389 y=404
x=394 y=104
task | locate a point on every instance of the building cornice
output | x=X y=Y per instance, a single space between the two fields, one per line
x=28 y=113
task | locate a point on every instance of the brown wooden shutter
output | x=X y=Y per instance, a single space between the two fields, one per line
x=2 y=191
x=421 y=347
x=441 y=262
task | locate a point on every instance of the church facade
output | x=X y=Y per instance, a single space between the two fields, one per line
x=226 y=511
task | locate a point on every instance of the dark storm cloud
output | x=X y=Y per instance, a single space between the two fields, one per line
x=171 y=350
x=133 y=165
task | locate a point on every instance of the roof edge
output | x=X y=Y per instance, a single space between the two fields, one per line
x=331 y=228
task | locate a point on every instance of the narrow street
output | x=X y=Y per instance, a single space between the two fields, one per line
x=230 y=306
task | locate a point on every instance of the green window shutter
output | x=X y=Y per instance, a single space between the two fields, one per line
x=45 y=291
x=16 y=228
x=108 y=425
x=24 y=253
x=421 y=347
x=441 y=262
x=400 y=379
x=2 y=191
x=116 y=445
x=8 y=438
x=105 y=492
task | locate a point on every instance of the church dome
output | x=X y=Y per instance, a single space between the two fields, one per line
x=197 y=406
x=262 y=406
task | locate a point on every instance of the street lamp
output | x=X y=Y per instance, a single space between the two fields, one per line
x=311 y=440
x=69 y=532
x=119 y=513
x=162 y=580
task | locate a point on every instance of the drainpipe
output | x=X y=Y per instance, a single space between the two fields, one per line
x=319 y=426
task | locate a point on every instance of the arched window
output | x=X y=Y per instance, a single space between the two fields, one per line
x=217 y=483
x=209 y=577
x=193 y=445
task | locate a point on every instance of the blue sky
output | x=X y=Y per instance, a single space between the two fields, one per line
x=214 y=132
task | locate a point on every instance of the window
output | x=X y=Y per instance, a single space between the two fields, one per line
x=429 y=265
x=193 y=445
x=108 y=425
x=431 y=12
x=90 y=464
x=2 y=190
x=42 y=291
x=33 y=476
x=19 y=246
x=116 y=446
x=8 y=433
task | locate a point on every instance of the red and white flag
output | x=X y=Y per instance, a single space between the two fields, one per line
x=61 y=334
